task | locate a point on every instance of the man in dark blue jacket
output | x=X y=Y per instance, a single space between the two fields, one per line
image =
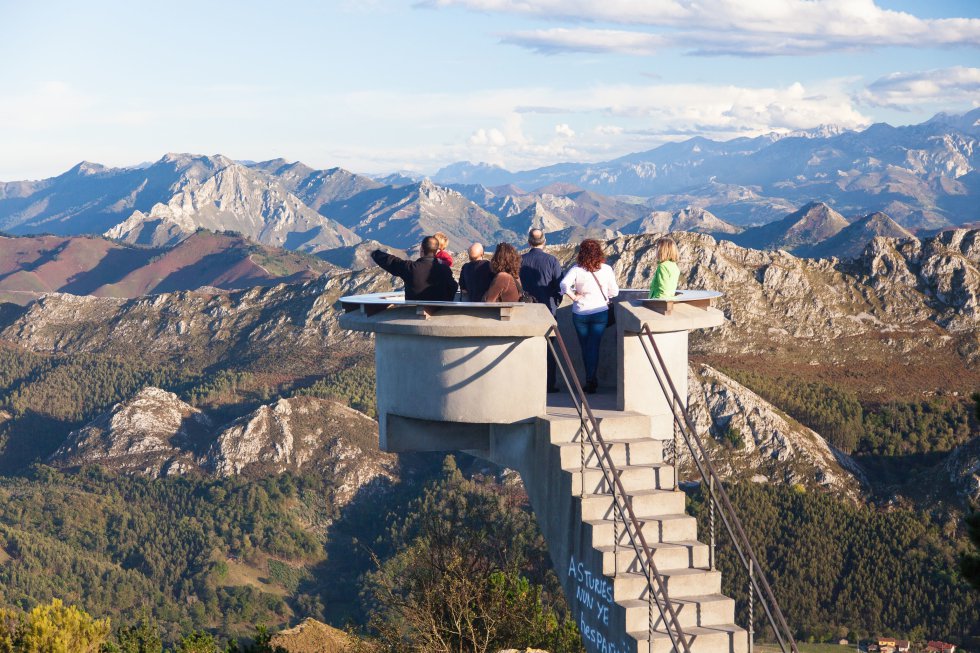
x=425 y=279
x=540 y=275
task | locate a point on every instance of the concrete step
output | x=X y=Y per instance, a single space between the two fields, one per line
x=707 y=610
x=681 y=583
x=726 y=638
x=622 y=452
x=645 y=502
x=666 y=555
x=634 y=478
x=660 y=528
x=564 y=428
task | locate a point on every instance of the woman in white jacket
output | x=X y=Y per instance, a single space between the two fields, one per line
x=590 y=284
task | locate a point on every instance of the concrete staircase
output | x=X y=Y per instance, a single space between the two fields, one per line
x=599 y=568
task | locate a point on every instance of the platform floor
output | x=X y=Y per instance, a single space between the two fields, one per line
x=560 y=403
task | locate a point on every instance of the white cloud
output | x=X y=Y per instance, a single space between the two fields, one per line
x=564 y=130
x=491 y=137
x=958 y=85
x=762 y=27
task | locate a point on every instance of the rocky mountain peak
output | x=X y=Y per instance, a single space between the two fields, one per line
x=812 y=223
x=87 y=168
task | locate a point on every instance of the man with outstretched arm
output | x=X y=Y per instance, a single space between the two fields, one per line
x=540 y=276
x=425 y=279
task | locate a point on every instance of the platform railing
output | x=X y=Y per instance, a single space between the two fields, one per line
x=622 y=507
x=718 y=500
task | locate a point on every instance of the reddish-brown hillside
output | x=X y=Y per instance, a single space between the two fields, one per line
x=31 y=266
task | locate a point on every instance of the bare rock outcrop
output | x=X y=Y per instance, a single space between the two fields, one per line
x=751 y=439
x=153 y=433
x=312 y=636
x=962 y=467
x=301 y=433
x=156 y=434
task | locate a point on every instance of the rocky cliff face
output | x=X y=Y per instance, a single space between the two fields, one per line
x=751 y=439
x=156 y=434
x=290 y=323
x=899 y=296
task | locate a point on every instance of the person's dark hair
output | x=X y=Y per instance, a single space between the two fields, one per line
x=430 y=246
x=506 y=259
x=535 y=237
x=590 y=256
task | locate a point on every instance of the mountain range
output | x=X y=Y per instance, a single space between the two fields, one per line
x=925 y=176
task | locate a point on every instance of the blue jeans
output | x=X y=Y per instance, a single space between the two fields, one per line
x=590 y=329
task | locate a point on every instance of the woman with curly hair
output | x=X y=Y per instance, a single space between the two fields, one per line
x=506 y=267
x=590 y=284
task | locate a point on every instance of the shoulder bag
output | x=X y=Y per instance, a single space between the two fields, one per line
x=611 y=314
x=525 y=296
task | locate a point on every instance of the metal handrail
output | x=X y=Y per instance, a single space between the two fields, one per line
x=718 y=496
x=656 y=585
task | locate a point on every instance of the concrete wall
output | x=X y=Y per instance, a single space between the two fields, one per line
x=471 y=380
x=638 y=389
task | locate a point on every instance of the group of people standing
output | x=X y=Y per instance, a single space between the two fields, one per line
x=508 y=277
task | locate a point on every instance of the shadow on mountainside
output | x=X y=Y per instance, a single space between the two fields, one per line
x=29 y=438
x=361 y=530
x=114 y=266
x=916 y=477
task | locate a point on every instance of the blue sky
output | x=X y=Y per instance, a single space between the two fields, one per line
x=381 y=85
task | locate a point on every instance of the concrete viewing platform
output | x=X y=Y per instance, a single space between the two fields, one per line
x=471 y=376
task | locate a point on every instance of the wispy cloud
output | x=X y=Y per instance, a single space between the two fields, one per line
x=948 y=86
x=560 y=39
x=712 y=27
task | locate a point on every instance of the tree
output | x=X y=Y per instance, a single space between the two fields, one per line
x=459 y=582
x=197 y=642
x=52 y=628
x=143 y=637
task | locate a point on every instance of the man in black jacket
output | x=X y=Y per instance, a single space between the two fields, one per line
x=425 y=278
x=475 y=276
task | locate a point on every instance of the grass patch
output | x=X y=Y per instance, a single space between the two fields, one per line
x=4 y=556
x=242 y=574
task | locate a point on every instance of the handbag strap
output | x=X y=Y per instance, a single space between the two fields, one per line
x=601 y=292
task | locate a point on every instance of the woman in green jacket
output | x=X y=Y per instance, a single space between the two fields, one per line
x=665 y=278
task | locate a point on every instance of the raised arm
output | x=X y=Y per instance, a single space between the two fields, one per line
x=390 y=263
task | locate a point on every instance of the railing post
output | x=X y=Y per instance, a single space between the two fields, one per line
x=581 y=446
x=677 y=449
x=615 y=532
x=751 y=605
x=711 y=520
